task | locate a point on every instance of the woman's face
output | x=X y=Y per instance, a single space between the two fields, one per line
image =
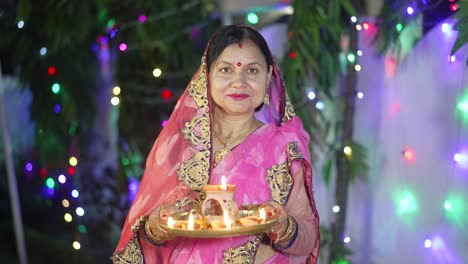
x=239 y=79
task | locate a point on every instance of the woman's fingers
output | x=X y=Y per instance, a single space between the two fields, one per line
x=155 y=218
x=273 y=208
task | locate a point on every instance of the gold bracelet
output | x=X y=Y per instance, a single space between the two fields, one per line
x=289 y=233
x=152 y=237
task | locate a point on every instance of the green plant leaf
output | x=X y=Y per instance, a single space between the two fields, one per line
x=348 y=7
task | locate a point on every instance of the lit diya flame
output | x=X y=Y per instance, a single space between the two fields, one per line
x=170 y=222
x=262 y=214
x=223 y=183
x=191 y=222
x=227 y=220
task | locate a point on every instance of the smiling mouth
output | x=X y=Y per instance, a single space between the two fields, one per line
x=238 y=96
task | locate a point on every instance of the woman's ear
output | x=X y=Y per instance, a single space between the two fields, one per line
x=270 y=72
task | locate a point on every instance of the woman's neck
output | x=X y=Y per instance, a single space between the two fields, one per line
x=232 y=127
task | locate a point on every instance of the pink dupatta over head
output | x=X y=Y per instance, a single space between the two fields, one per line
x=181 y=157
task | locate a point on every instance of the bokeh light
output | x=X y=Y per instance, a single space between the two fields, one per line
x=29 y=166
x=336 y=209
x=55 y=88
x=252 y=18
x=75 y=193
x=116 y=90
x=68 y=217
x=123 y=47
x=157 y=72
x=427 y=243
x=320 y=105
x=20 y=24
x=43 y=51
x=407 y=203
x=79 y=211
x=115 y=100
x=76 y=245
x=82 y=229
x=348 y=151
x=73 y=161
x=50 y=183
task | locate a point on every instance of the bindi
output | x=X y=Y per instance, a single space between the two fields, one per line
x=240 y=44
x=239 y=63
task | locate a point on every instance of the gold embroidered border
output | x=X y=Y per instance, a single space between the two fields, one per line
x=288 y=110
x=244 y=254
x=293 y=152
x=132 y=253
x=279 y=177
x=280 y=182
x=195 y=171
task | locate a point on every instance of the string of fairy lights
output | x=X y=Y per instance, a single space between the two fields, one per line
x=452 y=207
x=61 y=182
x=71 y=201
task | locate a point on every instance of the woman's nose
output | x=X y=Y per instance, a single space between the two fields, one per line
x=238 y=80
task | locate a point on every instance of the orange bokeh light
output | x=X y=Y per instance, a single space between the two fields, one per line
x=408 y=154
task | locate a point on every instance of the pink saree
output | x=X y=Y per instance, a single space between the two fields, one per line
x=262 y=166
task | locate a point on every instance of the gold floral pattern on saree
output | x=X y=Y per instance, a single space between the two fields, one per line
x=280 y=182
x=195 y=171
x=293 y=152
x=288 y=110
x=244 y=254
x=279 y=177
x=132 y=253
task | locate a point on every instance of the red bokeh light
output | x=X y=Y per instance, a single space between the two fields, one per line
x=166 y=94
x=365 y=26
x=71 y=171
x=453 y=7
x=292 y=55
x=43 y=173
x=51 y=70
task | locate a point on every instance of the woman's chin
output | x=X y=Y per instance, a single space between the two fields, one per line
x=239 y=111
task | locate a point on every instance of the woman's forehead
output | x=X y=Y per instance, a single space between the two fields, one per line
x=246 y=50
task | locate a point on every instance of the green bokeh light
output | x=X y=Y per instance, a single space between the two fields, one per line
x=252 y=18
x=110 y=23
x=399 y=27
x=456 y=213
x=82 y=229
x=50 y=183
x=463 y=106
x=447 y=205
x=461 y=110
x=340 y=261
x=407 y=203
x=351 y=57
x=55 y=88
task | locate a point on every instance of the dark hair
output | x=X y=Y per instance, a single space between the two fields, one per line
x=234 y=34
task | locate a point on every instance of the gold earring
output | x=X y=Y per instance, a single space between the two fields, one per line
x=266 y=100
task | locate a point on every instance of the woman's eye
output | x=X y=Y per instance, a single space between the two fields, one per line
x=224 y=70
x=251 y=70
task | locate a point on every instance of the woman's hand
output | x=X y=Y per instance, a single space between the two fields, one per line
x=158 y=216
x=274 y=208
x=162 y=213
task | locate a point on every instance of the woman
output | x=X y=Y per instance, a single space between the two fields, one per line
x=234 y=120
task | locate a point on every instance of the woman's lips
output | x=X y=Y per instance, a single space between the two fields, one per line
x=238 y=96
